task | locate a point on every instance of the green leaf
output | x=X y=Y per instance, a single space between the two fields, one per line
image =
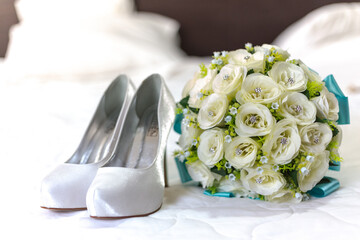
x=221 y=171
x=250 y=71
x=306 y=93
x=194 y=110
x=184 y=102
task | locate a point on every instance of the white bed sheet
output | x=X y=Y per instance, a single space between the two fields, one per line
x=43 y=119
x=42 y=123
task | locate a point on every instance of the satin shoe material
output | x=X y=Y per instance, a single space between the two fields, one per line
x=66 y=186
x=132 y=183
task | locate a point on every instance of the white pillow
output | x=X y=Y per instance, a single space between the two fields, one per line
x=86 y=41
x=44 y=11
x=320 y=27
x=328 y=41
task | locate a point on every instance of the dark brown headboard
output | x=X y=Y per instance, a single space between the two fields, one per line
x=211 y=25
x=7 y=19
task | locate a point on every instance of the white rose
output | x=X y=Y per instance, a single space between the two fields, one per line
x=258 y=88
x=313 y=171
x=211 y=146
x=289 y=76
x=315 y=137
x=338 y=137
x=242 y=57
x=212 y=110
x=241 y=152
x=188 y=134
x=327 y=105
x=312 y=75
x=283 y=53
x=283 y=142
x=235 y=187
x=284 y=196
x=262 y=180
x=229 y=79
x=190 y=85
x=297 y=107
x=201 y=84
x=199 y=172
x=253 y=119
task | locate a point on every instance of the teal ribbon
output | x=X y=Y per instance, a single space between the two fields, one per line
x=333 y=87
x=326 y=186
x=335 y=166
x=177 y=123
x=219 y=194
x=183 y=172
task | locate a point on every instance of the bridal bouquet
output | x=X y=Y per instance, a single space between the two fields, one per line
x=257 y=124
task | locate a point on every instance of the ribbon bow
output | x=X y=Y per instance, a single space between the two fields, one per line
x=333 y=87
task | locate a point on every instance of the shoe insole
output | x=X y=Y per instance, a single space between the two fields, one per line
x=97 y=144
x=144 y=146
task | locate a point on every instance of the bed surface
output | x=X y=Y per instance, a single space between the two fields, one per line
x=45 y=112
x=37 y=135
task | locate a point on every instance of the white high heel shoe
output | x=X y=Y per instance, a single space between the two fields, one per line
x=131 y=183
x=66 y=186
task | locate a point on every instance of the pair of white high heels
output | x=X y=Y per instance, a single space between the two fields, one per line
x=118 y=169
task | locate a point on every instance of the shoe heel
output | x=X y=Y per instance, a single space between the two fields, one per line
x=166 y=180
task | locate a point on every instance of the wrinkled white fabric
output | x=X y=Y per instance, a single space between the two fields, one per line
x=43 y=120
x=57 y=125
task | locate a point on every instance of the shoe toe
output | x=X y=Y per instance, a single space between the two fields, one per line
x=114 y=193
x=66 y=186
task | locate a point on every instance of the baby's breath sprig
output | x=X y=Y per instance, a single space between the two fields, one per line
x=294 y=61
x=274 y=109
x=334 y=155
x=221 y=164
x=260 y=140
x=188 y=156
x=178 y=110
x=205 y=93
x=193 y=157
x=184 y=103
x=313 y=89
x=331 y=124
x=261 y=158
x=220 y=59
x=203 y=70
x=293 y=165
x=190 y=121
x=224 y=168
x=270 y=59
x=230 y=119
x=214 y=188
x=249 y=47
x=237 y=174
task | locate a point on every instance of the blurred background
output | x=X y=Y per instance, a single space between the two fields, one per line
x=204 y=25
x=58 y=56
